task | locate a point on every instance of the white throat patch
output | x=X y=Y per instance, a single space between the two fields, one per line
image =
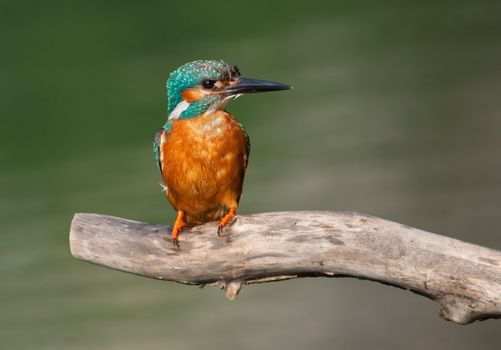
x=180 y=108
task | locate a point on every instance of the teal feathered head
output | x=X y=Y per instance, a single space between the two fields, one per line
x=204 y=86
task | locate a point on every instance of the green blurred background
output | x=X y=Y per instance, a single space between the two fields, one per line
x=396 y=112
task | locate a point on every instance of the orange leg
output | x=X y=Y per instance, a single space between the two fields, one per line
x=178 y=226
x=225 y=220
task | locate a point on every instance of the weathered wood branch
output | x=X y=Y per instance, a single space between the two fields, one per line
x=462 y=278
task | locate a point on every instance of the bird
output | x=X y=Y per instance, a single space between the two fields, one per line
x=202 y=151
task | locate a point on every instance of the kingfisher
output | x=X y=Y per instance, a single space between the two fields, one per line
x=202 y=151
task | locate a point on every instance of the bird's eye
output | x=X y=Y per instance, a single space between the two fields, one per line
x=208 y=84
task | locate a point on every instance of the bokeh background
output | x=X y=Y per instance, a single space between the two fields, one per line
x=396 y=112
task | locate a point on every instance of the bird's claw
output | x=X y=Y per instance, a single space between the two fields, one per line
x=175 y=242
x=175 y=239
x=177 y=228
x=226 y=220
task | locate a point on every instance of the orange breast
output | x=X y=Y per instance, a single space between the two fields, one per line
x=203 y=163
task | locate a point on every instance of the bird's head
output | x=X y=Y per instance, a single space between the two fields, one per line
x=205 y=86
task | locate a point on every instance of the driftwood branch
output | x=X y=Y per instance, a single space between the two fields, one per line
x=462 y=278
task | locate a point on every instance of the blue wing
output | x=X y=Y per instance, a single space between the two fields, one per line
x=247 y=143
x=157 y=140
x=156 y=147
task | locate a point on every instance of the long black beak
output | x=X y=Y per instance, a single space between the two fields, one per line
x=246 y=85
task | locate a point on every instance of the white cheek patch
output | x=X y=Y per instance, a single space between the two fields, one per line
x=180 y=108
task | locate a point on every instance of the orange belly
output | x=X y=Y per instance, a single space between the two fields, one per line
x=203 y=162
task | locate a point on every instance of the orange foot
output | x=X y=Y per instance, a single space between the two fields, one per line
x=225 y=220
x=178 y=226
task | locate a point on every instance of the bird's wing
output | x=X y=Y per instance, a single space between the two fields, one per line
x=161 y=136
x=247 y=144
x=156 y=147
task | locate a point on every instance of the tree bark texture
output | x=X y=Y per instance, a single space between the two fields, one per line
x=463 y=279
